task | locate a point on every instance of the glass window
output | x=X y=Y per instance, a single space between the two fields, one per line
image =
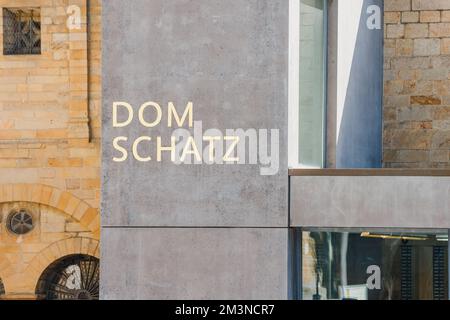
x=374 y=265
x=307 y=82
x=312 y=82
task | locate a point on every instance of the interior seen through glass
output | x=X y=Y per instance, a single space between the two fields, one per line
x=375 y=265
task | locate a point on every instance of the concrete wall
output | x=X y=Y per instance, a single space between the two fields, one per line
x=230 y=59
x=194 y=263
x=355 y=85
x=368 y=201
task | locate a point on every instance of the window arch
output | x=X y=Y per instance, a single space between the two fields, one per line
x=73 y=277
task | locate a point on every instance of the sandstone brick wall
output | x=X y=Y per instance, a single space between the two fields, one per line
x=417 y=84
x=50 y=108
x=53 y=226
x=48 y=133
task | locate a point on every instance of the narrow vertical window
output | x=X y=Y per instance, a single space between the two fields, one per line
x=21 y=31
x=307 y=105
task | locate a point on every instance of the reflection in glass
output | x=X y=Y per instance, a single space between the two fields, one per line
x=312 y=84
x=375 y=266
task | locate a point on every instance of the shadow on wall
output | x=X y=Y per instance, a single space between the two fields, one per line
x=359 y=112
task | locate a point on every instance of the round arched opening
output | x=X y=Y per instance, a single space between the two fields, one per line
x=74 y=277
x=20 y=222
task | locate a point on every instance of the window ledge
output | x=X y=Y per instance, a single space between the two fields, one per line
x=370 y=172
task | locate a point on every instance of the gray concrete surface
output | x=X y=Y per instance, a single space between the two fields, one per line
x=230 y=59
x=391 y=202
x=194 y=263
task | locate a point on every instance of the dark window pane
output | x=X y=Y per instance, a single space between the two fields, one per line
x=375 y=265
x=21 y=31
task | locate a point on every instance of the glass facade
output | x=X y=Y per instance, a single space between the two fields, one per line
x=374 y=265
x=312 y=83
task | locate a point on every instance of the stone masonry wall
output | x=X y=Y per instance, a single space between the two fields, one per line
x=417 y=84
x=48 y=133
x=50 y=123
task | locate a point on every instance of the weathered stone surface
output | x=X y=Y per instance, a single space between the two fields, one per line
x=440 y=30
x=392 y=17
x=441 y=62
x=401 y=63
x=397 y=5
x=425 y=100
x=441 y=124
x=417 y=84
x=442 y=87
x=441 y=156
x=415 y=30
x=47 y=147
x=445 y=46
x=430 y=4
x=441 y=113
x=427 y=47
x=430 y=16
x=441 y=140
x=445 y=16
x=410 y=17
x=416 y=139
x=404 y=47
x=395 y=31
x=414 y=113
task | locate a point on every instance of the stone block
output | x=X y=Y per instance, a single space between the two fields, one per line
x=415 y=113
x=443 y=125
x=395 y=31
x=430 y=16
x=392 y=17
x=404 y=47
x=441 y=140
x=440 y=30
x=410 y=17
x=439 y=155
x=425 y=100
x=430 y=4
x=416 y=30
x=427 y=47
x=445 y=46
x=445 y=16
x=397 y=5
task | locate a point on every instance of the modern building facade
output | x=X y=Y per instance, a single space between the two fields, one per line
x=356 y=92
x=379 y=233
x=250 y=149
x=49 y=148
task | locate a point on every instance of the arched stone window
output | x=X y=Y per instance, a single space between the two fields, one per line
x=73 y=277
